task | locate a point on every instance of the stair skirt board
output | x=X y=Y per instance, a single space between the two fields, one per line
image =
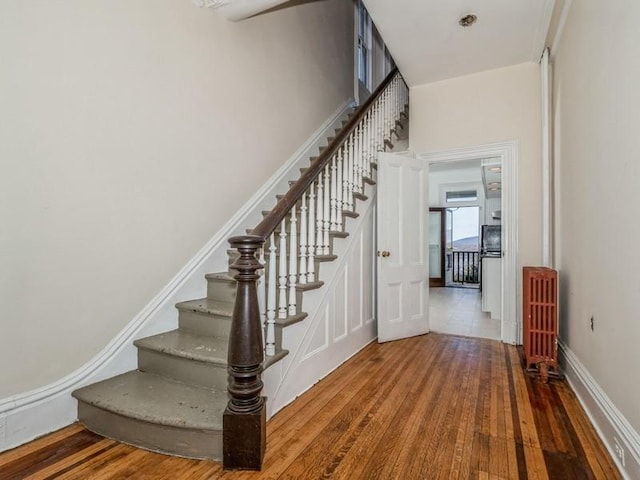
x=29 y=415
x=341 y=321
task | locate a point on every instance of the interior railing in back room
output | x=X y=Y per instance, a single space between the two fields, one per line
x=308 y=215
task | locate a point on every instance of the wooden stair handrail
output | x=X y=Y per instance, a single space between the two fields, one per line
x=244 y=420
x=286 y=203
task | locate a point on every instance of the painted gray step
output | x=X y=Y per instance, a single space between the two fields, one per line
x=221 y=286
x=205 y=317
x=360 y=196
x=185 y=357
x=154 y=413
x=304 y=287
x=279 y=355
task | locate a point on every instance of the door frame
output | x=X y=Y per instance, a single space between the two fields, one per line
x=433 y=282
x=507 y=152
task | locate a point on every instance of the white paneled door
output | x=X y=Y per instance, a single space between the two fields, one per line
x=403 y=260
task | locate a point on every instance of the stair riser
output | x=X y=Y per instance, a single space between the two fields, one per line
x=191 y=443
x=205 y=324
x=183 y=370
x=222 y=290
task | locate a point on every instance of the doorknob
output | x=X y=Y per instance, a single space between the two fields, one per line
x=384 y=253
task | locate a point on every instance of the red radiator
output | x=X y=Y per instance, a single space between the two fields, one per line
x=540 y=315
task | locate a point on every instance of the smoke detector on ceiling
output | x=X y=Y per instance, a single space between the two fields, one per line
x=468 y=20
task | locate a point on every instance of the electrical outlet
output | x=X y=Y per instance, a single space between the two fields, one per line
x=619 y=450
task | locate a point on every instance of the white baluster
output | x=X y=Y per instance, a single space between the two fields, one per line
x=386 y=116
x=282 y=272
x=262 y=286
x=320 y=217
x=270 y=348
x=302 y=277
x=350 y=180
x=357 y=157
x=361 y=156
x=326 y=224
x=366 y=154
x=293 y=260
x=380 y=124
x=334 y=194
x=394 y=94
x=387 y=103
x=311 y=255
x=391 y=110
x=346 y=201
x=372 y=141
x=340 y=205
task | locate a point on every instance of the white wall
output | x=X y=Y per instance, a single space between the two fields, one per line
x=596 y=105
x=131 y=132
x=490 y=206
x=488 y=107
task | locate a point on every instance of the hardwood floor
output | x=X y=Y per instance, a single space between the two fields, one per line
x=429 y=407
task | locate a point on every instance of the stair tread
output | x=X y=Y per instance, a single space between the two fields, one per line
x=223 y=276
x=290 y=320
x=309 y=286
x=326 y=258
x=157 y=400
x=207 y=306
x=184 y=344
x=360 y=196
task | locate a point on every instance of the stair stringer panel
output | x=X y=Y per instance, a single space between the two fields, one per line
x=341 y=317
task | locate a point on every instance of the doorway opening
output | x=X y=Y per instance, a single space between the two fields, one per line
x=463 y=199
x=464 y=257
x=454 y=247
x=403 y=191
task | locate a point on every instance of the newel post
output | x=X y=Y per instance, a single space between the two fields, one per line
x=244 y=434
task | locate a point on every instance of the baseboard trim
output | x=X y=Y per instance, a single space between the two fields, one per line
x=31 y=414
x=605 y=417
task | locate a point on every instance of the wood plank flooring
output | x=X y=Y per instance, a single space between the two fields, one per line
x=430 y=407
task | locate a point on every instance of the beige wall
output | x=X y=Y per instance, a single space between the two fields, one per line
x=596 y=107
x=131 y=131
x=493 y=106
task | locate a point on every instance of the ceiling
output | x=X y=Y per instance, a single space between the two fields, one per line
x=428 y=44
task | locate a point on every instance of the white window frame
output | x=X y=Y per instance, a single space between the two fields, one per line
x=363 y=39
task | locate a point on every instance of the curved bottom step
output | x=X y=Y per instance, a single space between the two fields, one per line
x=134 y=408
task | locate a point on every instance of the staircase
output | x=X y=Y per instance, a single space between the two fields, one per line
x=175 y=401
